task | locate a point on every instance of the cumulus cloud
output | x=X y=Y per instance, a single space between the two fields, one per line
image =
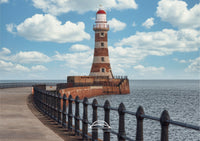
x=160 y=43
x=10 y=28
x=30 y=57
x=150 y=70
x=79 y=47
x=4 y=53
x=148 y=23
x=25 y=57
x=194 y=66
x=180 y=61
x=48 y=28
x=39 y=68
x=76 y=60
x=116 y=25
x=124 y=56
x=10 y=67
x=12 y=63
x=177 y=13
x=3 y=1
x=56 y=7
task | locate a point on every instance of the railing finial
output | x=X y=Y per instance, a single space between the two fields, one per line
x=164 y=125
x=139 y=130
x=121 y=130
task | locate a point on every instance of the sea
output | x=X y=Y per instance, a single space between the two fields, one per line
x=181 y=98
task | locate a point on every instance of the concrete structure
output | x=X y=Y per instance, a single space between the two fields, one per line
x=17 y=122
x=91 y=86
x=101 y=64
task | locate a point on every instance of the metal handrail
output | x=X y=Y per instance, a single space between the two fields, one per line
x=50 y=104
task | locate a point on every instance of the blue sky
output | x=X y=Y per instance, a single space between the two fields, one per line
x=48 y=39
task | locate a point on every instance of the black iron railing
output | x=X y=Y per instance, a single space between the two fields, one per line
x=50 y=104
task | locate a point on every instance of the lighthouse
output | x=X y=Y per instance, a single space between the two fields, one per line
x=101 y=64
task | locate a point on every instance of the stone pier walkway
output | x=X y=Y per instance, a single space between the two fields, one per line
x=17 y=122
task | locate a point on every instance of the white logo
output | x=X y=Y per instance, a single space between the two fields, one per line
x=100 y=124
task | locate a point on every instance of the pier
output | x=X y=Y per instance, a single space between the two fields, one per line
x=17 y=122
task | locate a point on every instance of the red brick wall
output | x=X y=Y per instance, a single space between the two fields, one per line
x=96 y=67
x=124 y=87
x=101 y=52
x=92 y=91
x=98 y=38
x=82 y=91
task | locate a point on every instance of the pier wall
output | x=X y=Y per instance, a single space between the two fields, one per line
x=89 y=91
x=87 y=86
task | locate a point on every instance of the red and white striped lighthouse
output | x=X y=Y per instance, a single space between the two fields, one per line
x=101 y=64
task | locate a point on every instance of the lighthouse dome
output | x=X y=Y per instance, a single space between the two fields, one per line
x=101 y=11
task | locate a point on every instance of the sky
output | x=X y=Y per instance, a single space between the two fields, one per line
x=53 y=39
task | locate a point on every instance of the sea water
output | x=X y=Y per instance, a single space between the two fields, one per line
x=181 y=98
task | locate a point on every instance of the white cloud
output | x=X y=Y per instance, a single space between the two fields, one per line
x=194 y=66
x=180 y=61
x=148 y=23
x=79 y=47
x=24 y=56
x=177 y=13
x=10 y=28
x=148 y=70
x=4 y=53
x=124 y=56
x=48 y=28
x=116 y=25
x=56 y=7
x=161 y=43
x=30 y=57
x=10 y=67
x=39 y=68
x=76 y=60
x=3 y=1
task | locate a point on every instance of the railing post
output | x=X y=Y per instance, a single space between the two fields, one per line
x=55 y=106
x=77 y=116
x=42 y=98
x=48 y=108
x=106 y=134
x=58 y=108
x=121 y=131
x=64 y=111
x=70 y=113
x=50 y=104
x=47 y=99
x=54 y=99
x=94 y=118
x=164 y=125
x=85 y=118
x=139 y=131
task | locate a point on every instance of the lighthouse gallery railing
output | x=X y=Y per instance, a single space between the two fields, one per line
x=50 y=104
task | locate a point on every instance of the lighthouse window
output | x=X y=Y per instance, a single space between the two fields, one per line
x=102 y=34
x=102 y=44
x=102 y=59
x=103 y=70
